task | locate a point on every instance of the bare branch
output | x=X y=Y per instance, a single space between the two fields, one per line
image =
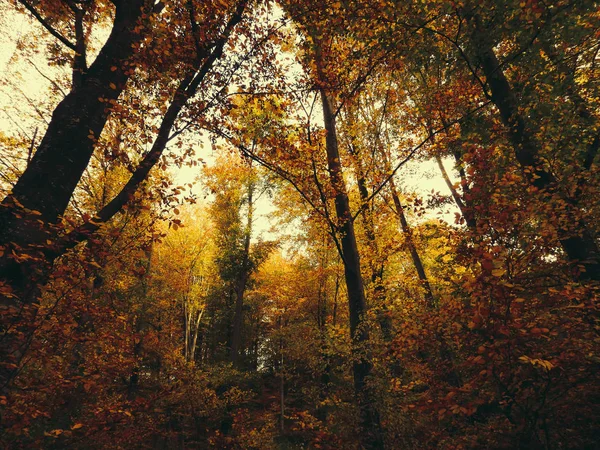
x=54 y=83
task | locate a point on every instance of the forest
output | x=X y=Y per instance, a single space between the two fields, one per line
x=299 y=224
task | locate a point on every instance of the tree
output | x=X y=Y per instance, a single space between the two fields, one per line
x=28 y=216
x=185 y=263
x=574 y=235
x=235 y=186
x=318 y=55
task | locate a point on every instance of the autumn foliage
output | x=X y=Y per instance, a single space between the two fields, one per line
x=300 y=224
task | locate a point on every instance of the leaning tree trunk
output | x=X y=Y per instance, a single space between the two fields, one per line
x=446 y=353
x=196 y=331
x=49 y=180
x=573 y=233
x=465 y=208
x=408 y=236
x=465 y=211
x=412 y=248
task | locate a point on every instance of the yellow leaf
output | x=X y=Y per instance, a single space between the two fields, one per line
x=77 y=426
x=113 y=85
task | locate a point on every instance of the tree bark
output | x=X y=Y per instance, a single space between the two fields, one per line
x=196 y=331
x=281 y=380
x=186 y=330
x=372 y=436
x=42 y=193
x=48 y=182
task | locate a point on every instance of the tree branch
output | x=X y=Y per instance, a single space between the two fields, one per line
x=187 y=89
x=47 y=25
x=411 y=154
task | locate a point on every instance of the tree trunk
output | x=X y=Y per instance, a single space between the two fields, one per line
x=195 y=338
x=281 y=380
x=375 y=263
x=48 y=182
x=414 y=254
x=238 y=318
x=42 y=193
x=372 y=436
x=186 y=328
x=408 y=236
